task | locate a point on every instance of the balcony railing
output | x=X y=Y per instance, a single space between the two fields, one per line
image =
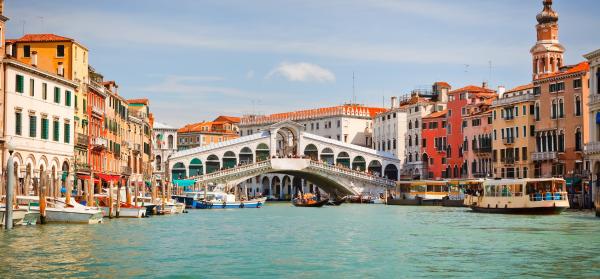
x=513 y=100
x=594 y=99
x=82 y=140
x=137 y=148
x=542 y=156
x=483 y=149
x=592 y=147
x=98 y=111
x=99 y=143
x=508 y=140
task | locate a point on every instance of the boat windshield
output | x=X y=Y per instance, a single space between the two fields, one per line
x=504 y=190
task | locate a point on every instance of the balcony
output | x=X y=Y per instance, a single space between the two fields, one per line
x=508 y=140
x=82 y=140
x=592 y=148
x=509 y=161
x=99 y=143
x=544 y=156
x=125 y=170
x=81 y=167
x=594 y=99
x=482 y=149
x=514 y=100
x=97 y=111
x=137 y=149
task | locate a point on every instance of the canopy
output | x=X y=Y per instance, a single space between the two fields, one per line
x=108 y=177
x=87 y=177
x=572 y=180
x=184 y=182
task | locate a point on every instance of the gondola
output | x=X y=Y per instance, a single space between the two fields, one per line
x=309 y=203
x=337 y=202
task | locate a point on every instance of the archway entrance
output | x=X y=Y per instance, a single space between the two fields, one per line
x=276 y=186
x=327 y=156
x=287 y=142
x=229 y=160
x=246 y=155
x=391 y=172
x=178 y=171
x=359 y=163
x=343 y=159
x=266 y=186
x=375 y=168
x=196 y=167
x=212 y=164
x=312 y=152
x=262 y=152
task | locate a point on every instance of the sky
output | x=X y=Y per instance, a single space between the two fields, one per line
x=198 y=59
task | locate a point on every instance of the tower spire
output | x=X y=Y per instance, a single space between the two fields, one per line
x=547 y=53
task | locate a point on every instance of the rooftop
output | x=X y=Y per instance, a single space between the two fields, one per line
x=436 y=114
x=567 y=70
x=347 y=110
x=521 y=88
x=138 y=101
x=43 y=38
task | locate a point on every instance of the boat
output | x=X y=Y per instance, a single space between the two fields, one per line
x=538 y=196
x=21 y=216
x=337 y=201
x=419 y=192
x=147 y=203
x=456 y=191
x=59 y=211
x=218 y=199
x=125 y=210
x=309 y=200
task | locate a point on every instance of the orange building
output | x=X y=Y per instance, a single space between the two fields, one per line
x=434 y=144
x=223 y=128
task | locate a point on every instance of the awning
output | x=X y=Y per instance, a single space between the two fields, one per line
x=184 y=182
x=87 y=178
x=109 y=177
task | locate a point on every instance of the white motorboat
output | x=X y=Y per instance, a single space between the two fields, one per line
x=58 y=211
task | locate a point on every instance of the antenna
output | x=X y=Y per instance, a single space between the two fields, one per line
x=23 y=21
x=490 y=76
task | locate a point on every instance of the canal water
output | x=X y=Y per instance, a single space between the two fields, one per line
x=350 y=241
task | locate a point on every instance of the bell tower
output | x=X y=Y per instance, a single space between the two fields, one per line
x=547 y=53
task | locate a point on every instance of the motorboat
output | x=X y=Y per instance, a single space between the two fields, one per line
x=59 y=211
x=218 y=199
x=419 y=192
x=539 y=196
x=21 y=216
x=125 y=210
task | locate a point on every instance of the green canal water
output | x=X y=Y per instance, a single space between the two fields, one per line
x=350 y=241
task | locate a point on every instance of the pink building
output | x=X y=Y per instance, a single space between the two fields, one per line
x=477 y=142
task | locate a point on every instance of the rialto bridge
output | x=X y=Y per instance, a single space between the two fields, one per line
x=287 y=157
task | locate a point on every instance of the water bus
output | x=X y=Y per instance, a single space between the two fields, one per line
x=457 y=189
x=419 y=192
x=520 y=196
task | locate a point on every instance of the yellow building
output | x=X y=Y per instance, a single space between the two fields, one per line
x=223 y=128
x=115 y=123
x=513 y=139
x=68 y=58
x=140 y=140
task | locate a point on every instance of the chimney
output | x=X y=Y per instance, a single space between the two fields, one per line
x=9 y=48
x=61 y=69
x=34 y=58
x=484 y=84
x=501 y=91
x=393 y=101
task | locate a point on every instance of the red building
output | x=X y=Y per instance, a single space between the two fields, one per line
x=457 y=109
x=433 y=145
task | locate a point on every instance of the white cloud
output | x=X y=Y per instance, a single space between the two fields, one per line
x=250 y=74
x=302 y=72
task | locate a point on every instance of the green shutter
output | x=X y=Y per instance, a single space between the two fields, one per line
x=76 y=101
x=20 y=83
x=84 y=105
x=68 y=98
x=44 y=91
x=57 y=95
x=56 y=130
x=45 y=124
x=18 y=123
x=67 y=132
x=32 y=126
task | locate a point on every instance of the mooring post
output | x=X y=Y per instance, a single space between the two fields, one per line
x=10 y=185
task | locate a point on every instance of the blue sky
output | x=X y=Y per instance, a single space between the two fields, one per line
x=199 y=59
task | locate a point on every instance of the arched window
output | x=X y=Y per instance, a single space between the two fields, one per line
x=577 y=106
x=409 y=124
x=409 y=140
x=554 y=109
x=537 y=111
x=416 y=123
x=170 y=141
x=394 y=142
x=416 y=140
x=561 y=108
x=578 y=144
x=561 y=141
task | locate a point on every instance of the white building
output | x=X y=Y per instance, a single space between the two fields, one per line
x=163 y=145
x=592 y=148
x=346 y=123
x=389 y=130
x=38 y=120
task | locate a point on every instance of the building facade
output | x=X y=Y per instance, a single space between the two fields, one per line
x=434 y=144
x=140 y=141
x=38 y=123
x=223 y=128
x=163 y=145
x=389 y=131
x=477 y=143
x=592 y=148
x=348 y=123
x=514 y=133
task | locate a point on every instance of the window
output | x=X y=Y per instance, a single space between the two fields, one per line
x=67 y=98
x=577 y=83
x=68 y=133
x=537 y=90
x=578 y=143
x=57 y=95
x=45 y=128
x=31 y=87
x=60 y=51
x=26 y=51
x=524 y=153
x=20 y=84
x=18 y=123
x=55 y=132
x=524 y=131
x=553 y=113
x=76 y=106
x=45 y=91
x=32 y=126
x=577 y=106
x=561 y=108
x=524 y=110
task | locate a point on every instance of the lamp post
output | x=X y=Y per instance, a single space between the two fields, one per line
x=10 y=185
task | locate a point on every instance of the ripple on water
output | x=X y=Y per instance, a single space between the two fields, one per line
x=279 y=240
